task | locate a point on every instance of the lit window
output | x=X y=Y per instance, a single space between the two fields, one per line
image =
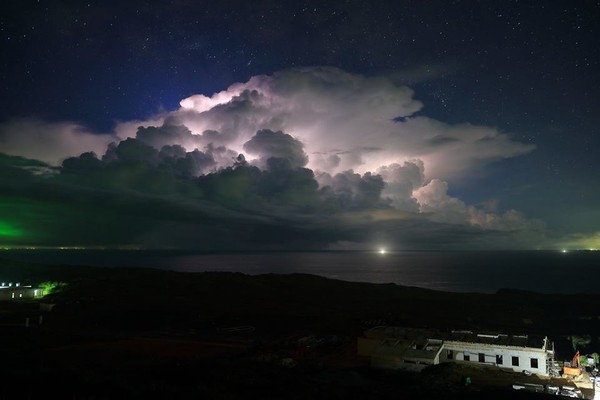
x=13 y=295
x=20 y=294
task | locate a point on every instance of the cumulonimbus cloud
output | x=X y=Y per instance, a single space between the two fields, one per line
x=345 y=121
x=363 y=139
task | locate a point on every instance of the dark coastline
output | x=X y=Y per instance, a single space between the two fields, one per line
x=454 y=271
x=104 y=313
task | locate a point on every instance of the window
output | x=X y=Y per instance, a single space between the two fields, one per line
x=481 y=357
x=499 y=360
x=467 y=357
x=449 y=354
x=515 y=361
x=534 y=363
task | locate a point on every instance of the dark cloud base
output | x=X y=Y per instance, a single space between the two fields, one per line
x=142 y=197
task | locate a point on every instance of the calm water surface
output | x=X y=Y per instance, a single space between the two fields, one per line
x=540 y=271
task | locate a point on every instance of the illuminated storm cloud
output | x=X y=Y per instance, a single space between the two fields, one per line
x=345 y=121
x=348 y=125
x=303 y=158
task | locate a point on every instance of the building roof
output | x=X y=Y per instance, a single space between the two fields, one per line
x=496 y=339
x=408 y=334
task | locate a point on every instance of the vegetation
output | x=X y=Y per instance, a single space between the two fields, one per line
x=49 y=287
x=580 y=342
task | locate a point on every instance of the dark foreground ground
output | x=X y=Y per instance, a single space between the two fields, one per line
x=143 y=333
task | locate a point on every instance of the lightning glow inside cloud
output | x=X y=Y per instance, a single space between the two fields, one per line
x=361 y=142
x=349 y=122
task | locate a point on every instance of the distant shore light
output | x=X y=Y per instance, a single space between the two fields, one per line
x=382 y=251
x=564 y=250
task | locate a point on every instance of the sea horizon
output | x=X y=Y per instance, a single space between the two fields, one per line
x=483 y=271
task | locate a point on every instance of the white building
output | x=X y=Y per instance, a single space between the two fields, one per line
x=16 y=291
x=415 y=349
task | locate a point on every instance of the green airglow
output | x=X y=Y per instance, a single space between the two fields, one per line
x=30 y=223
x=590 y=241
x=9 y=231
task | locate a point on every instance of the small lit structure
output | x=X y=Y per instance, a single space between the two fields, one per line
x=16 y=291
x=415 y=349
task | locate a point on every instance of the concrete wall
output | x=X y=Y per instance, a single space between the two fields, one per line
x=524 y=355
x=16 y=293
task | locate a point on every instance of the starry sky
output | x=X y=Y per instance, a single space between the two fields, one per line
x=404 y=124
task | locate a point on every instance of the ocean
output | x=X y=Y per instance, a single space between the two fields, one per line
x=483 y=271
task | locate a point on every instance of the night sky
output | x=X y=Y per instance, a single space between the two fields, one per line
x=345 y=125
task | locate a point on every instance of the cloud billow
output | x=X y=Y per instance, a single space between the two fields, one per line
x=267 y=144
x=309 y=157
